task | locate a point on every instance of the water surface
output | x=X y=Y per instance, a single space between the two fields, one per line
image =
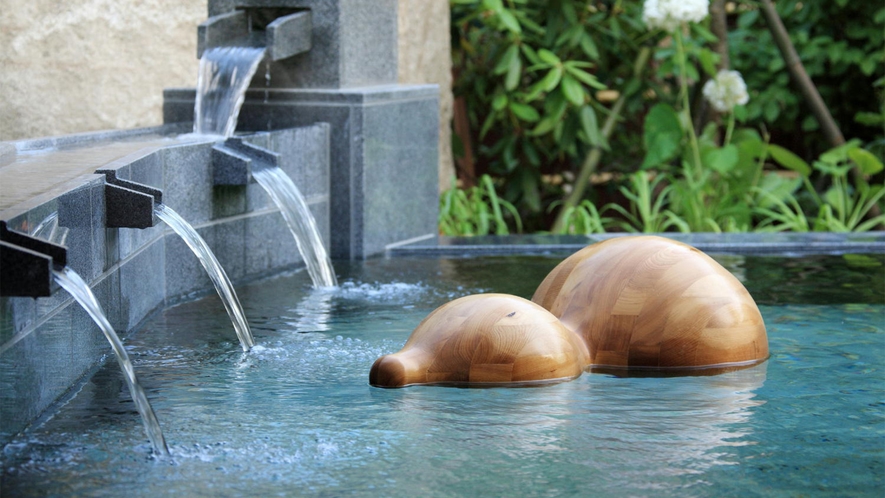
x=296 y=415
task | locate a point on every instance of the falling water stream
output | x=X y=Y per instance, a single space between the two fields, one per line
x=225 y=73
x=213 y=269
x=224 y=76
x=301 y=223
x=70 y=281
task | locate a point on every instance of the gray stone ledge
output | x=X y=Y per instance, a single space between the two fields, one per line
x=783 y=244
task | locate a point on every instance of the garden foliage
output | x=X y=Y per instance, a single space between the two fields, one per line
x=538 y=80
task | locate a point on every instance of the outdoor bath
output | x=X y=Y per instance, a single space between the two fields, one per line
x=284 y=406
x=296 y=415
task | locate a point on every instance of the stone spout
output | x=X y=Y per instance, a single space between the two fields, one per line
x=26 y=264
x=129 y=204
x=232 y=161
x=283 y=32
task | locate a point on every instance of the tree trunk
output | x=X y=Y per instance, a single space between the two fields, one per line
x=800 y=76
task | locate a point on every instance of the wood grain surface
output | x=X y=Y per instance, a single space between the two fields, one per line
x=633 y=304
x=650 y=302
x=484 y=339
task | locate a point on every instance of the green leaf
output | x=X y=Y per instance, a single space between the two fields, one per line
x=789 y=160
x=573 y=90
x=722 y=159
x=839 y=154
x=556 y=105
x=507 y=59
x=487 y=125
x=547 y=83
x=530 y=54
x=499 y=102
x=587 y=78
x=509 y=21
x=869 y=118
x=662 y=135
x=708 y=61
x=544 y=127
x=549 y=57
x=524 y=112
x=775 y=188
x=832 y=169
x=588 y=46
x=704 y=33
x=514 y=74
x=868 y=163
x=749 y=152
x=591 y=127
x=861 y=261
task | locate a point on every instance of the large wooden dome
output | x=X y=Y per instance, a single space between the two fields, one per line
x=632 y=305
x=653 y=303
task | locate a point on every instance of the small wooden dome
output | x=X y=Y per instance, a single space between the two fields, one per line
x=652 y=303
x=484 y=339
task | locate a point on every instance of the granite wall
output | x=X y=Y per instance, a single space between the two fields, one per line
x=47 y=344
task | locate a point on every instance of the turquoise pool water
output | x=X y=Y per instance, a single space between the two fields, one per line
x=296 y=415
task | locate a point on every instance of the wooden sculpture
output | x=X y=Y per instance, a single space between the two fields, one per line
x=653 y=303
x=484 y=339
x=627 y=304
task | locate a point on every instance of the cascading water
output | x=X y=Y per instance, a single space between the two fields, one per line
x=213 y=269
x=70 y=281
x=224 y=76
x=225 y=73
x=301 y=223
x=50 y=230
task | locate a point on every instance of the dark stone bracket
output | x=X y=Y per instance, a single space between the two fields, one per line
x=233 y=160
x=26 y=264
x=283 y=32
x=129 y=204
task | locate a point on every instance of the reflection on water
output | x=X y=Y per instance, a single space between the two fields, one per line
x=296 y=415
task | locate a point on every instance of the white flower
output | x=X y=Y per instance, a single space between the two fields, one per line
x=726 y=90
x=670 y=14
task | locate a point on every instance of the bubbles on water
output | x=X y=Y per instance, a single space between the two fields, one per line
x=383 y=292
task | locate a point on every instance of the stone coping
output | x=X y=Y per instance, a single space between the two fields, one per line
x=780 y=244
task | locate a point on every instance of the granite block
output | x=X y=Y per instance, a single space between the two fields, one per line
x=228 y=200
x=17 y=314
x=131 y=240
x=82 y=212
x=257 y=199
x=32 y=373
x=353 y=42
x=188 y=181
x=269 y=244
x=304 y=156
x=107 y=293
x=222 y=30
x=289 y=35
x=399 y=195
x=147 y=169
x=230 y=167
x=229 y=248
x=142 y=284
x=383 y=132
x=184 y=272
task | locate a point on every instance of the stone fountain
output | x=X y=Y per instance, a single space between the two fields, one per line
x=362 y=149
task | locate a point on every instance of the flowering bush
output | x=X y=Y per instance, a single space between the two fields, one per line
x=670 y=14
x=530 y=76
x=726 y=91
